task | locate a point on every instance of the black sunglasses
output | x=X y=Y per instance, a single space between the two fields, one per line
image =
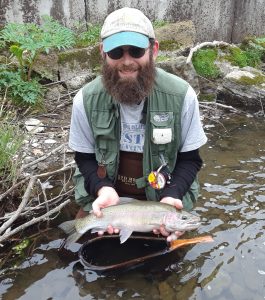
x=134 y=52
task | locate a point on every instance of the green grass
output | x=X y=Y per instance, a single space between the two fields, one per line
x=11 y=140
x=248 y=55
x=203 y=62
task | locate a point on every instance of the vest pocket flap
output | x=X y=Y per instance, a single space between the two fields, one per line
x=161 y=120
x=101 y=119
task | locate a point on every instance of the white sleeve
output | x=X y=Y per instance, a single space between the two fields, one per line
x=192 y=133
x=81 y=138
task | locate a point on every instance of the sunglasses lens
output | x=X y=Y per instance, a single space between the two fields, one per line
x=116 y=53
x=136 y=52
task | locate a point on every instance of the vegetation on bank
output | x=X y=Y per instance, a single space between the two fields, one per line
x=26 y=42
x=11 y=139
x=251 y=52
x=203 y=62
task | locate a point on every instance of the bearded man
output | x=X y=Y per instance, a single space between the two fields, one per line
x=136 y=129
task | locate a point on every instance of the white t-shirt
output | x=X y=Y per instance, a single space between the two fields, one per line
x=132 y=131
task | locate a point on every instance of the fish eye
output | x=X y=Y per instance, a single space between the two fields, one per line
x=184 y=218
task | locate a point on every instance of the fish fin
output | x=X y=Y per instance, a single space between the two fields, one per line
x=125 y=233
x=68 y=226
x=125 y=200
x=72 y=238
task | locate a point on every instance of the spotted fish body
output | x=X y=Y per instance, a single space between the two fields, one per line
x=132 y=215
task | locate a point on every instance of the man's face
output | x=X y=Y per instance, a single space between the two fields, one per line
x=128 y=77
x=128 y=66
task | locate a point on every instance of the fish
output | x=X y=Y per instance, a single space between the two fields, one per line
x=132 y=215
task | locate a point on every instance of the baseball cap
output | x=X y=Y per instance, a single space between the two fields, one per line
x=126 y=26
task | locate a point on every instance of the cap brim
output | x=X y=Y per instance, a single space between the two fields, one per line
x=125 y=38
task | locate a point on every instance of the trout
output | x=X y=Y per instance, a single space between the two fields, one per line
x=132 y=215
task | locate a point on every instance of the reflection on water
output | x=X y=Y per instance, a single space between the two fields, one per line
x=232 y=267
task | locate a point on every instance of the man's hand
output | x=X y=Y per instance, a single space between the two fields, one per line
x=107 y=196
x=174 y=235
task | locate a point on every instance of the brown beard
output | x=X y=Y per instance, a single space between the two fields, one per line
x=129 y=90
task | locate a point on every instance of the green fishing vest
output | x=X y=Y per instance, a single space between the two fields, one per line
x=164 y=106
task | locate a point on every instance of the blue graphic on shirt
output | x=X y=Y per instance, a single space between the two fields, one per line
x=132 y=137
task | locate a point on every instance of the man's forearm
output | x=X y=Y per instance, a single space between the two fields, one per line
x=187 y=166
x=88 y=167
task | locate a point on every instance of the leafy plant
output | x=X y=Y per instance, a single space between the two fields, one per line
x=28 y=40
x=21 y=92
x=237 y=57
x=89 y=37
x=203 y=61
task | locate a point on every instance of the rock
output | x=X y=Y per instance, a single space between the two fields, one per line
x=35 y=145
x=244 y=89
x=179 y=67
x=34 y=125
x=54 y=92
x=79 y=81
x=74 y=66
x=47 y=66
x=183 y=33
x=166 y=291
x=50 y=141
x=78 y=66
x=37 y=152
x=225 y=67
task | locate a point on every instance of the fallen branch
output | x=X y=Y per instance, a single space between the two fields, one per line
x=33 y=221
x=206 y=44
x=31 y=209
x=30 y=204
x=2 y=196
x=205 y=104
x=67 y=167
x=43 y=157
x=22 y=205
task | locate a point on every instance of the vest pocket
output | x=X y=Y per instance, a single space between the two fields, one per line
x=162 y=127
x=103 y=123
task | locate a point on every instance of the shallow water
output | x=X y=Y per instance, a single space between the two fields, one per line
x=232 y=207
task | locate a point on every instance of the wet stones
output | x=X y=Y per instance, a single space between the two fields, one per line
x=244 y=89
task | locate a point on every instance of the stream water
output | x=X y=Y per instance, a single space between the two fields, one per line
x=232 y=207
